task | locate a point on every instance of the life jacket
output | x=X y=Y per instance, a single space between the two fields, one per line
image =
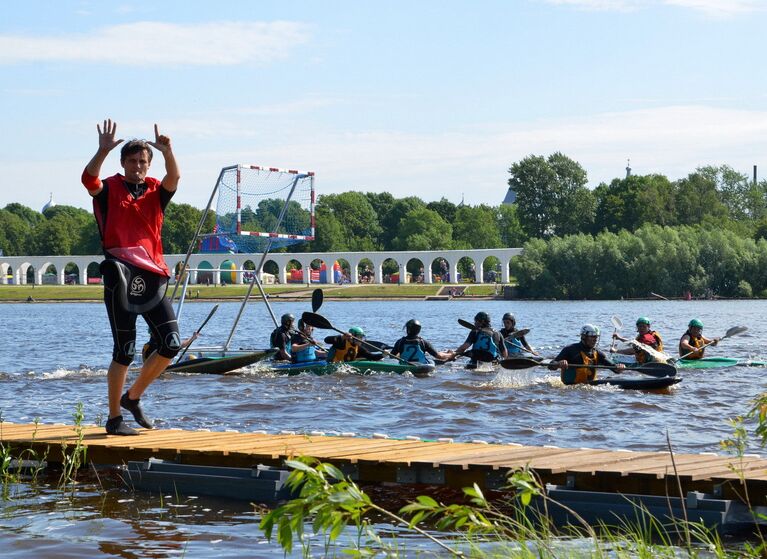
x=346 y=353
x=697 y=343
x=412 y=350
x=513 y=346
x=581 y=375
x=309 y=353
x=641 y=355
x=485 y=342
x=131 y=228
x=278 y=334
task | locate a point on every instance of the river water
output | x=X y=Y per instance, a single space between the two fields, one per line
x=53 y=356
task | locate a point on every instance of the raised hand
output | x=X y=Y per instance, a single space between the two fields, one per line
x=161 y=142
x=107 y=140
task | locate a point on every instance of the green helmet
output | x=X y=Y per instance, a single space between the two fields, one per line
x=643 y=320
x=357 y=332
x=590 y=330
x=695 y=323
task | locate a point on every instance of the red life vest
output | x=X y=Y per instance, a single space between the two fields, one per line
x=131 y=229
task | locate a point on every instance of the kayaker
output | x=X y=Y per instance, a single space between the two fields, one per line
x=515 y=345
x=584 y=352
x=280 y=337
x=483 y=338
x=303 y=346
x=348 y=347
x=413 y=348
x=692 y=341
x=646 y=336
x=130 y=209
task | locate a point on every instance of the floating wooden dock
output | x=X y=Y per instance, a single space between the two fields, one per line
x=440 y=462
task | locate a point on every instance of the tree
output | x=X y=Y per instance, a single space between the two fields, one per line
x=15 y=234
x=390 y=221
x=52 y=237
x=356 y=217
x=179 y=226
x=631 y=202
x=509 y=227
x=423 y=229
x=445 y=208
x=695 y=197
x=476 y=227
x=28 y=215
x=551 y=195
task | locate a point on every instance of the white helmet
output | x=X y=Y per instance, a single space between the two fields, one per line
x=590 y=330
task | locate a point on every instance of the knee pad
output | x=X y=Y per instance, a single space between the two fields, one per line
x=170 y=344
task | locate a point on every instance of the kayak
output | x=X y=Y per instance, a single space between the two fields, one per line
x=704 y=363
x=637 y=383
x=218 y=364
x=707 y=363
x=321 y=367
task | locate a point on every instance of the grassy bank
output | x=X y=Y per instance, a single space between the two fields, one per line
x=10 y=293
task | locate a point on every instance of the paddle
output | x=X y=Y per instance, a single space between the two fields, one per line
x=617 y=326
x=319 y=321
x=652 y=369
x=317 y=297
x=734 y=331
x=197 y=333
x=476 y=354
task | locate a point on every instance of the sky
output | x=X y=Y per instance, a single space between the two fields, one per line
x=434 y=98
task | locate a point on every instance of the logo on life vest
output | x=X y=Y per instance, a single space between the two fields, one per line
x=137 y=286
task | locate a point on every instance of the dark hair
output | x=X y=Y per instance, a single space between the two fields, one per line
x=135 y=146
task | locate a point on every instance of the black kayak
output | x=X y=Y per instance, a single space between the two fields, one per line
x=637 y=383
x=218 y=365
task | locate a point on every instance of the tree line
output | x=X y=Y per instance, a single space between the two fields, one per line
x=554 y=209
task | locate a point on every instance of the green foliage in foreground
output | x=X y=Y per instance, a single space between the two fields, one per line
x=665 y=260
x=519 y=526
x=340 y=513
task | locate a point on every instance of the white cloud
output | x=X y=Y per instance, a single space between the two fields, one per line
x=671 y=140
x=221 y=43
x=600 y=5
x=713 y=8
x=719 y=8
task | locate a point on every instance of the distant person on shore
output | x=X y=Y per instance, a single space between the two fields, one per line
x=584 y=352
x=414 y=348
x=280 y=339
x=646 y=336
x=483 y=339
x=129 y=211
x=515 y=345
x=692 y=341
x=303 y=347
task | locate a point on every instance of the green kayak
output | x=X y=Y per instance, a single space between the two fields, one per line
x=707 y=363
x=325 y=368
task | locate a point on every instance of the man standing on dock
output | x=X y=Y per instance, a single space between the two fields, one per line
x=129 y=211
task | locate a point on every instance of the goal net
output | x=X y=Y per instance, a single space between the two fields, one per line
x=261 y=207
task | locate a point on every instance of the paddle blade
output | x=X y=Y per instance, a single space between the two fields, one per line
x=516 y=363
x=655 y=369
x=617 y=323
x=518 y=333
x=734 y=331
x=317 y=321
x=317 y=298
x=466 y=324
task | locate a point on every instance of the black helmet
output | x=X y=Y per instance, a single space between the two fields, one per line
x=509 y=316
x=412 y=327
x=287 y=319
x=483 y=318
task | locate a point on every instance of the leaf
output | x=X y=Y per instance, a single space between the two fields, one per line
x=427 y=501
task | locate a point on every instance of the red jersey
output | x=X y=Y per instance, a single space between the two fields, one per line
x=131 y=227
